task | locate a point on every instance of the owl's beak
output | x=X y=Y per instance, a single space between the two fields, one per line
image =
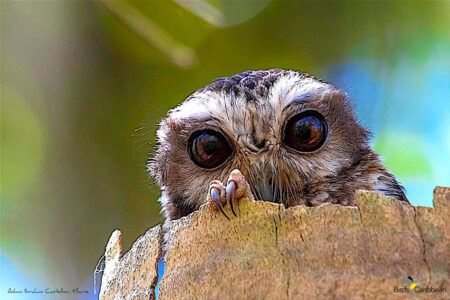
x=262 y=176
x=265 y=190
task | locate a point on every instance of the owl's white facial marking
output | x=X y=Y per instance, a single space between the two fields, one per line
x=198 y=108
x=286 y=89
x=289 y=88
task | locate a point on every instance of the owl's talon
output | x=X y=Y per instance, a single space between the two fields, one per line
x=231 y=192
x=237 y=188
x=214 y=194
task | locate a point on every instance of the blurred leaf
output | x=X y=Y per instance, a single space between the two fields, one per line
x=404 y=155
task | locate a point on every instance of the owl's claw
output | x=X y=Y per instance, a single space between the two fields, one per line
x=231 y=192
x=237 y=188
x=215 y=195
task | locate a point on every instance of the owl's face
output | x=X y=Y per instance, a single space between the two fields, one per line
x=283 y=129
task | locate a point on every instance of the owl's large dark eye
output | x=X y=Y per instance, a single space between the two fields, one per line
x=208 y=148
x=306 y=132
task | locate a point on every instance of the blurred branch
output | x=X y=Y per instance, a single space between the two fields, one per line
x=179 y=54
x=223 y=13
x=204 y=10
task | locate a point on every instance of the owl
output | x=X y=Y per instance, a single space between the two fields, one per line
x=274 y=135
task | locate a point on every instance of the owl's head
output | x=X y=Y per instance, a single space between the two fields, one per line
x=282 y=129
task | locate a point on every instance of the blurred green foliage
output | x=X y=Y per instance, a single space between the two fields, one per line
x=405 y=155
x=23 y=131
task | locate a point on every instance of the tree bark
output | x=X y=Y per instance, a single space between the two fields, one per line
x=271 y=252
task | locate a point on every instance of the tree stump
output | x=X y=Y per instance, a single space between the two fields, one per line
x=270 y=252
